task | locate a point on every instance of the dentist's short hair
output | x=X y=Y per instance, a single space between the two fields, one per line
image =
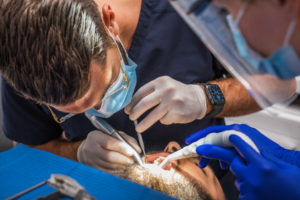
x=46 y=47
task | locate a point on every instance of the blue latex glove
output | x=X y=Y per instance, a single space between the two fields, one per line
x=273 y=174
x=262 y=142
x=263 y=176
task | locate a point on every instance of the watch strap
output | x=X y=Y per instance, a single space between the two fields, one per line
x=217 y=108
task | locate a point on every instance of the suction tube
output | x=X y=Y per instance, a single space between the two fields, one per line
x=221 y=139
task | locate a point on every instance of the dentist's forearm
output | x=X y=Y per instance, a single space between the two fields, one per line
x=238 y=100
x=61 y=147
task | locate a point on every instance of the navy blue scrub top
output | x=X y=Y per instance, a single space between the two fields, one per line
x=162 y=45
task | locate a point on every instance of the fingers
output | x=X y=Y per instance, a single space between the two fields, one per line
x=246 y=151
x=173 y=117
x=132 y=141
x=203 y=162
x=144 y=104
x=154 y=116
x=169 y=118
x=111 y=144
x=275 y=160
x=202 y=133
x=109 y=162
x=216 y=152
x=144 y=99
x=238 y=168
x=140 y=94
x=114 y=159
x=105 y=152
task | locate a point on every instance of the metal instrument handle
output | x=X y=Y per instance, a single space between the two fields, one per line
x=107 y=128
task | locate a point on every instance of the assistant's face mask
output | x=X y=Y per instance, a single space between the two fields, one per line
x=119 y=94
x=284 y=63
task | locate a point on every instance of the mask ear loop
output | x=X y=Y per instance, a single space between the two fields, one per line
x=122 y=45
x=123 y=72
x=289 y=33
x=115 y=42
x=242 y=12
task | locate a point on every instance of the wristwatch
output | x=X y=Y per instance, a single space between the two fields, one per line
x=216 y=98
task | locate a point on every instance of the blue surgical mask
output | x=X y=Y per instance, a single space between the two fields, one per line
x=119 y=94
x=284 y=63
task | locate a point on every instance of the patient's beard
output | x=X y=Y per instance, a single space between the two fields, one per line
x=168 y=182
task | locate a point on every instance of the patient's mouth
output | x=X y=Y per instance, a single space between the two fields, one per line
x=156 y=159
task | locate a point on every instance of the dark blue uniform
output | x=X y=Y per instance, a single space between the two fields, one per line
x=162 y=45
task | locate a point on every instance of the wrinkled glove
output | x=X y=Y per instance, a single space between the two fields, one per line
x=261 y=141
x=273 y=174
x=174 y=102
x=263 y=176
x=104 y=152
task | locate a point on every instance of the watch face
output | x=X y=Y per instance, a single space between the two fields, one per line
x=217 y=95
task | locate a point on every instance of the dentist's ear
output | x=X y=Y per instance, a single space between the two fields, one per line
x=108 y=17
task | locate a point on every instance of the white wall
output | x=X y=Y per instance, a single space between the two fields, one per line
x=285 y=132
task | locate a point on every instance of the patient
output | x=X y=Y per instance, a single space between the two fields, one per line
x=181 y=179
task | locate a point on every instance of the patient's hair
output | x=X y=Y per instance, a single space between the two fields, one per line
x=46 y=47
x=168 y=182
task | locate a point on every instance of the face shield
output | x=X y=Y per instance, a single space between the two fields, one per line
x=210 y=23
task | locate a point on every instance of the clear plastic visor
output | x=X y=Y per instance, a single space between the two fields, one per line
x=210 y=24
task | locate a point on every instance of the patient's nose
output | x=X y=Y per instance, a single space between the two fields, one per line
x=172 y=147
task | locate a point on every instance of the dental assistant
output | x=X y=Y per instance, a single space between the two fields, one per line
x=265 y=51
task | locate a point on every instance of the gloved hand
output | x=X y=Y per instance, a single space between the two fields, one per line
x=261 y=141
x=262 y=176
x=104 y=152
x=174 y=102
x=273 y=174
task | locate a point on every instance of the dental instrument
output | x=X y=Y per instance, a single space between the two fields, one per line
x=221 y=139
x=140 y=138
x=107 y=128
x=65 y=187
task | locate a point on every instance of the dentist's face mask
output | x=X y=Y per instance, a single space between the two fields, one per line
x=119 y=94
x=284 y=63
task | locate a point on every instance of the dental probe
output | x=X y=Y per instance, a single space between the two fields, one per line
x=221 y=139
x=140 y=138
x=108 y=129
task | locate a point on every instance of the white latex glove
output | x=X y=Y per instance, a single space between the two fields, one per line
x=175 y=103
x=104 y=152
